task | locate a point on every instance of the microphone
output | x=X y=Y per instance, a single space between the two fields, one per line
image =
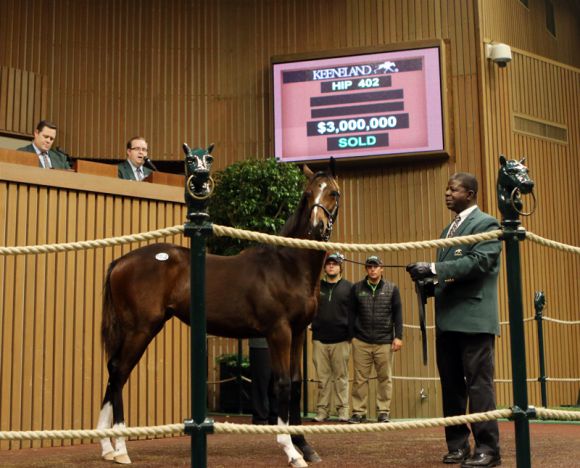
x=147 y=160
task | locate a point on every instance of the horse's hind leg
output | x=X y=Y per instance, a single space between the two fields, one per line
x=112 y=412
x=105 y=422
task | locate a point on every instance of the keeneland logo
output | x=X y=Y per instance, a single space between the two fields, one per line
x=355 y=70
x=387 y=67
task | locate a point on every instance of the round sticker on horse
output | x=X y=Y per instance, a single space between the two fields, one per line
x=272 y=292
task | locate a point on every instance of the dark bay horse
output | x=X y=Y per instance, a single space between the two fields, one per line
x=264 y=291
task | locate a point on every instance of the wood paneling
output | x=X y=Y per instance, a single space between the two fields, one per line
x=545 y=91
x=52 y=372
x=22 y=100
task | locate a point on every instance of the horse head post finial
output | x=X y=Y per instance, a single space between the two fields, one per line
x=199 y=184
x=513 y=181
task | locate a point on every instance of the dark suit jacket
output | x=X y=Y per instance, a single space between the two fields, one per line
x=58 y=160
x=466 y=293
x=125 y=171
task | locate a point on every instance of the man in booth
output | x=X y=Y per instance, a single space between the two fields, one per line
x=134 y=167
x=44 y=136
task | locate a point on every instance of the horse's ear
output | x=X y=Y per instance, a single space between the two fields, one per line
x=307 y=172
x=523 y=160
x=332 y=167
x=210 y=148
x=502 y=159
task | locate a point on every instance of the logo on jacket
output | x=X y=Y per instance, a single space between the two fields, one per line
x=458 y=253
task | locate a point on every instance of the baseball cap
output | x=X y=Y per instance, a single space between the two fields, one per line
x=335 y=257
x=373 y=260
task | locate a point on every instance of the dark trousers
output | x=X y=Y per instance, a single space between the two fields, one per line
x=466 y=369
x=264 y=403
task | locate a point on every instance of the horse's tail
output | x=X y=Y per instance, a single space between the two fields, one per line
x=110 y=330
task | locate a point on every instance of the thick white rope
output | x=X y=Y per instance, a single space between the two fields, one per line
x=230 y=428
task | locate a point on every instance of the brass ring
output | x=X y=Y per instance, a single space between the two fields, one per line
x=516 y=191
x=211 y=186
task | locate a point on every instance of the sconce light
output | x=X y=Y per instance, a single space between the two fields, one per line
x=498 y=53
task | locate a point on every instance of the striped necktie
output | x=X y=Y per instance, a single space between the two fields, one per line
x=140 y=175
x=45 y=160
x=454 y=226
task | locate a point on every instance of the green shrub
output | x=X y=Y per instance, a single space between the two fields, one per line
x=256 y=195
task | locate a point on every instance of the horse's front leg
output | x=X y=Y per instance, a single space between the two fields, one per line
x=279 y=344
x=299 y=440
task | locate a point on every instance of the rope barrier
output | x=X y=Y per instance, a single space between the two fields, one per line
x=550 y=243
x=231 y=428
x=226 y=231
x=218 y=230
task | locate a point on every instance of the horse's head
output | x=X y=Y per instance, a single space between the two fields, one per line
x=322 y=195
x=513 y=180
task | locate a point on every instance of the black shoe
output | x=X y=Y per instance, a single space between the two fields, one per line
x=383 y=418
x=457 y=456
x=482 y=459
x=357 y=419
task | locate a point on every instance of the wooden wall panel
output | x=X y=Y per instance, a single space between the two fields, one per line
x=22 y=100
x=546 y=91
x=52 y=369
x=524 y=27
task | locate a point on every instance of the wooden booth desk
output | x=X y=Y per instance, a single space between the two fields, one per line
x=52 y=370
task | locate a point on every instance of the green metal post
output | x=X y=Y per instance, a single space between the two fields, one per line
x=512 y=236
x=512 y=182
x=198 y=228
x=539 y=302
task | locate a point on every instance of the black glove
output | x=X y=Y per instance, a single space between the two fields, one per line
x=419 y=270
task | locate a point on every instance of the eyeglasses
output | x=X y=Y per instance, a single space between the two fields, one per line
x=145 y=150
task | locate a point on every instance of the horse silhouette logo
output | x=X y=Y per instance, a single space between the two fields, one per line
x=388 y=67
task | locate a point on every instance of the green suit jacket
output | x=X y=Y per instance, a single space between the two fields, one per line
x=57 y=160
x=125 y=171
x=466 y=292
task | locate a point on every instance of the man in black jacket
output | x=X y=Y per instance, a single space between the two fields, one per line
x=378 y=334
x=331 y=339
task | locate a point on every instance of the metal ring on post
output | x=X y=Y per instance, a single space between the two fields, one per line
x=516 y=192
x=211 y=186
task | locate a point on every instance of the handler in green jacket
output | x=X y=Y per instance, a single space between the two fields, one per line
x=466 y=318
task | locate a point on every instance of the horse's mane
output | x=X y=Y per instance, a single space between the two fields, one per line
x=293 y=223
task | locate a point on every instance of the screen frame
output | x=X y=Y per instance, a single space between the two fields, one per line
x=445 y=97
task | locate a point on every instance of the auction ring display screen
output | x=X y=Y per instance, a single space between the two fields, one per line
x=376 y=104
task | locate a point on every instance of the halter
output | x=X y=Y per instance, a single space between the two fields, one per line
x=331 y=219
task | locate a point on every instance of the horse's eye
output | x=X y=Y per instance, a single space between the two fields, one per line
x=208 y=159
x=335 y=194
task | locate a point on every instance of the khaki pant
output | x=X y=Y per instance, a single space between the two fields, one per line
x=364 y=356
x=331 y=364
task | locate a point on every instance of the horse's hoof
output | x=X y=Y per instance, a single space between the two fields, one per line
x=311 y=456
x=297 y=463
x=123 y=459
x=109 y=456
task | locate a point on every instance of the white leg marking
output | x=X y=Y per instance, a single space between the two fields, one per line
x=105 y=422
x=284 y=440
x=120 y=454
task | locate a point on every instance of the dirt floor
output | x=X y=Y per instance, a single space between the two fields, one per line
x=551 y=445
